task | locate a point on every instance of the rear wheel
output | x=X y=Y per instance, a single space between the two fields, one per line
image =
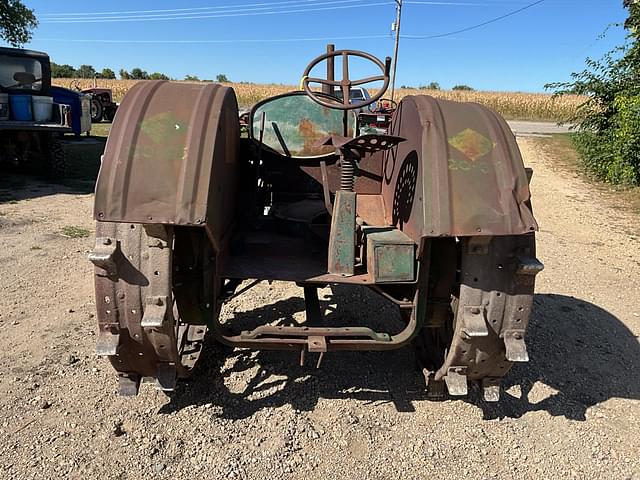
x=479 y=332
x=141 y=328
x=96 y=110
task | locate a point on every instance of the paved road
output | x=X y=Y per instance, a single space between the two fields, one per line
x=534 y=129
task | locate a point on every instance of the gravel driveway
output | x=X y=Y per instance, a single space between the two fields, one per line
x=572 y=412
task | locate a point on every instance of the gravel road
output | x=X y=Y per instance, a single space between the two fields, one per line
x=536 y=129
x=572 y=412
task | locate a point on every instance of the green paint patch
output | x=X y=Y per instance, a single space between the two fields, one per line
x=74 y=232
x=472 y=144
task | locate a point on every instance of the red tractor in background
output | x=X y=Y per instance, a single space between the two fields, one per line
x=102 y=105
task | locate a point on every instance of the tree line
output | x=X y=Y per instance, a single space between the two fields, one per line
x=88 y=71
x=436 y=86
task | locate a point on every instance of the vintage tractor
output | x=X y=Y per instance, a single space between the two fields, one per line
x=434 y=215
x=102 y=105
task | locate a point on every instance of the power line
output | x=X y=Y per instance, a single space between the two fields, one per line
x=237 y=13
x=190 y=9
x=241 y=40
x=221 y=8
x=473 y=27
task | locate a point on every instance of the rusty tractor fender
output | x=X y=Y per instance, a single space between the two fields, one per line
x=460 y=172
x=172 y=158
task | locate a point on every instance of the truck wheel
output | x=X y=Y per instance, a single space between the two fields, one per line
x=142 y=317
x=96 y=110
x=483 y=332
x=56 y=166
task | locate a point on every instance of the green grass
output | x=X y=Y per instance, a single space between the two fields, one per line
x=561 y=148
x=75 y=232
x=100 y=129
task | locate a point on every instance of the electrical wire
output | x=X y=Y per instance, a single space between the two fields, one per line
x=241 y=40
x=236 y=7
x=237 y=13
x=472 y=27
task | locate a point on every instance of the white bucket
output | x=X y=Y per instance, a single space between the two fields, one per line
x=42 y=108
x=4 y=106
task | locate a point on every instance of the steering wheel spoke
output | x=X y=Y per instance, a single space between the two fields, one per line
x=379 y=78
x=346 y=83
x=323 y=81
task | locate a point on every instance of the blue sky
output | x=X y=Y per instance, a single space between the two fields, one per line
x=542 y=44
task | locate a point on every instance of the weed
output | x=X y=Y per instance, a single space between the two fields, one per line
x=74 y=232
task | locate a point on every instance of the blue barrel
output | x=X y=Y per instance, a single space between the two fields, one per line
x=21 y=108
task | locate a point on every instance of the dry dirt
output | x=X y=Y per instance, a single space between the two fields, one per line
x=572 y=412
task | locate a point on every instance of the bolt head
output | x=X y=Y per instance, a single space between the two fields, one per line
x=106 y=241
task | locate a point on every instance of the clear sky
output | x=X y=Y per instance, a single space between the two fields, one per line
x=271 y=41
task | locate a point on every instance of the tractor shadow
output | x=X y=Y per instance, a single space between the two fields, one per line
x=15 y=187
x=581 y=356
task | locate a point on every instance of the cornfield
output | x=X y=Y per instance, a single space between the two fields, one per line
x=513 y=106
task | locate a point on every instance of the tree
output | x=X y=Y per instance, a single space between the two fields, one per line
x=191 y=78
x=431 y=86
x=139 y=74
x=62 y=71
x=16 y=22
x=108 y=74
x=608 y=123
x=85 y=71
x=124 y=75
x=222 y=78
x=158 y=76
x=465 y=88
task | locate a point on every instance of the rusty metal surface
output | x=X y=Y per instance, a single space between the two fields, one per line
x=460 y=172
x=486 y=333
x=139 y=326
x=171 y=157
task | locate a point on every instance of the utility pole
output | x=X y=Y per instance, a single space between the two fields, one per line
x=395 y=49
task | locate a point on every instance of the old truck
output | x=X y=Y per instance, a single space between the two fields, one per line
x=434 y=215
x=35 y=116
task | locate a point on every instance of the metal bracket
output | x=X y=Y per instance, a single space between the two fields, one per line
x=102 y=255
x=491 y=389
x=107 y=343
x=475 y=324
x=155 y=311
x=516 y=349
x=317 y=344
x=529 y=266
x=456 y=380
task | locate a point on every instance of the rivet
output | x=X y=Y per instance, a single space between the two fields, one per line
x=159 y=302
x=475 y=310
x=106 y=241
x=517 y=336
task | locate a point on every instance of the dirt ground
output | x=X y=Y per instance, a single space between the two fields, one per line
x=572 y=412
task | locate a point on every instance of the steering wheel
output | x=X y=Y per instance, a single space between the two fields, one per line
x=346 y=83
x=385 y=105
